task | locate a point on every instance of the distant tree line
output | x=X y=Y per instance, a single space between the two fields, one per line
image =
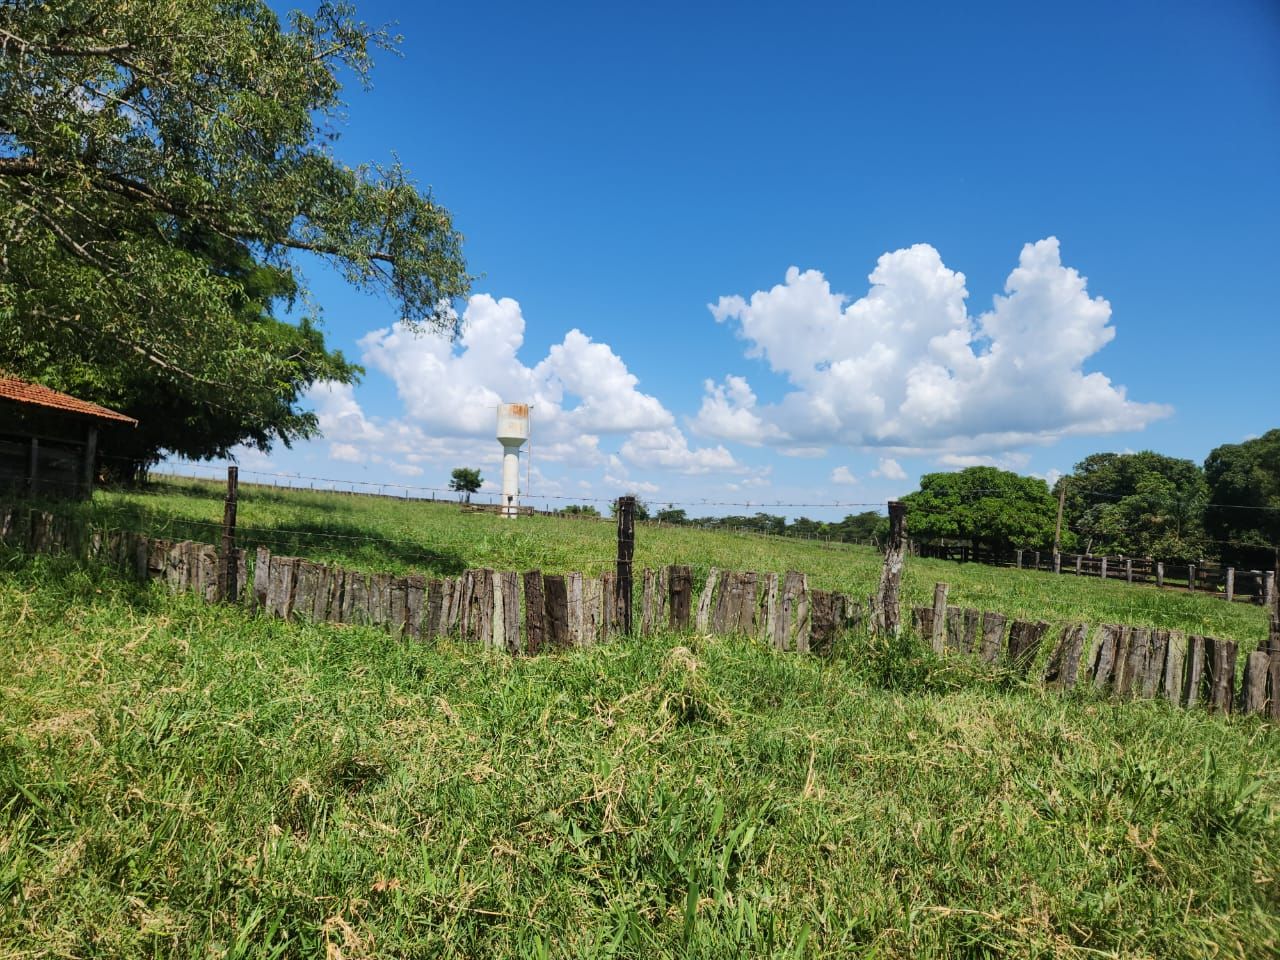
x=1121 y=504
x=1118 y=504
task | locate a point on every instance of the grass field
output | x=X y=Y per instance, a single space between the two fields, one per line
x=181 y=780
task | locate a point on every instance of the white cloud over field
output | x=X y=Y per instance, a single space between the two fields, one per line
x=906 y=367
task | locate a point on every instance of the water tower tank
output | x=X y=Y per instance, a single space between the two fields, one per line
x=513 y=431
x=513 y=423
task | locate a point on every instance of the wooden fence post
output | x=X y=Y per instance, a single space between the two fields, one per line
x=1103 y=569
x=1160 y=573
x=534 y=612
x=888 y=614
x=938 y=624
x=1269 y=589
x=1018 y=558
x=626 y=551
x=1191 y=577
x=228 y=587
x=1231 y=584
x=1128 y=570
x=1079 y=563
x=680 y=583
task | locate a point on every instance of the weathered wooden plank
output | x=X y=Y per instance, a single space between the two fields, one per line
x=509 y=586
x=938 y=622
x=681 y=601
x=661 y=601
x=1220 y=673
x=1273 y=684
x=363 y=600
x=576 y=631
x=768 y=613
x=466 y=599
x=1194 y=679
x=210 y=564
x=784 y=635
x=1135 y=662
x=972 y=623
x=261 y=578
x=415 y=595
x=534 y=613
x=706 y=600
x=323 y=594
x=496 y=637
x=456 y=598
x=993 y=625
x=802 y=627
x=556 y=597
x=1024 y=642
x=648 y=589
x=1253 y=692
x=747 y=604
x=825 y=621
x=280 y=590
x=380 y=599
x=434 y=608
x=609 y=603
x=397 y=605
x=337 y=590
x=482 y=607
x=954 y=642
x=241 y=571
x=304 y=588
x=1175 y=661
x=1103 y=668
x=591 y=602
x=1153 y=672
x=1063 y=666
x=922 y=622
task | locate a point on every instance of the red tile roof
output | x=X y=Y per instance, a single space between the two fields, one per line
x=19 y=391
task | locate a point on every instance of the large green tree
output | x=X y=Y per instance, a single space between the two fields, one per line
x=1137 y=504
x=162 y=166
x=1244 y=494
x=992 y=508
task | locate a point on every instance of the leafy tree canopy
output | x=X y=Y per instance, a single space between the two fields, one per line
x=988 y=506
x=1137 y=504
x=465 y=480
x=162 y=166
x=1244 y=490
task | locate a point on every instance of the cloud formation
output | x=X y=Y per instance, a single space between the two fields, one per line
x=581 y=393
x=905 y=367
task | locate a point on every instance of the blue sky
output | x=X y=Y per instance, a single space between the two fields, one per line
x=618 y=170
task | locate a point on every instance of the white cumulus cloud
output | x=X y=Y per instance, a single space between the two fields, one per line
x=889 y=469
x=844 y=476
x=581 y=393
x=907 y=367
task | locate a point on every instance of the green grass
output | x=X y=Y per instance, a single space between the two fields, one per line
x=179 y=780
x=441 y=539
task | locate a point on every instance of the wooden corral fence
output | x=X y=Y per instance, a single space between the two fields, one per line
x=1230 y=583
x=531 y=612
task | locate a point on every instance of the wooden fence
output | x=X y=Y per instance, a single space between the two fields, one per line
x=1253 y=586
x=532 y=612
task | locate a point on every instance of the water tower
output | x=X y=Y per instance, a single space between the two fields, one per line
x=513 y=431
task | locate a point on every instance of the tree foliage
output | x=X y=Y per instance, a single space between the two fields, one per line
x=1244 y=491
x=161 y=168
x=465 y=480
x=992 y=508
x=1138 y=504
